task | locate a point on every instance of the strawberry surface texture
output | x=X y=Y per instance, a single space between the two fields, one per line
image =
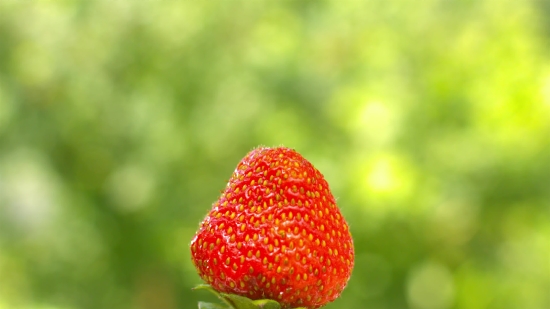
x=275 y=233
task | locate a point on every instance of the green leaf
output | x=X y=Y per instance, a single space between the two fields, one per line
x=240 y=302
x=207 y=288
x=203 y=305
x=234 y=301
x=267 y=304
x=211 y=290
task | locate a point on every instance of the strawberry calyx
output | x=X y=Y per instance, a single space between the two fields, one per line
x=233 y=301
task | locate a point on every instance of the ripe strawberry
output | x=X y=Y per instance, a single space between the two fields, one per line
x=275 y=233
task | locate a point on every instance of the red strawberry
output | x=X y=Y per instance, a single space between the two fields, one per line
x=275 y=233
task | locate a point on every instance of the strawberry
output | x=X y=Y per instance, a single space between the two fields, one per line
x=275 y=233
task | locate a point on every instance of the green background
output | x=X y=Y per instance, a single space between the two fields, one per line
x=121 y=121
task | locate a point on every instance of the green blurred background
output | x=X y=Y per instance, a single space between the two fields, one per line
x=121 y=121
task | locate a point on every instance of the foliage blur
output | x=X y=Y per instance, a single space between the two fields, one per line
x=120 y=122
